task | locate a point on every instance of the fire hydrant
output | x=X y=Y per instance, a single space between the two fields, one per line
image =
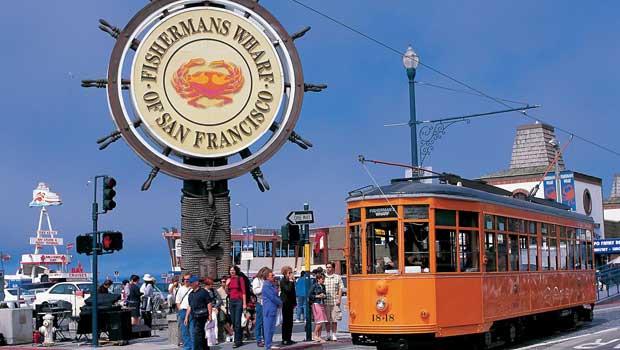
x=48 y=329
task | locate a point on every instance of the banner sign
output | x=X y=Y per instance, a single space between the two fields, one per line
x=47 y=232
x=46 y=259
x=248 y=237
x=607 y=246
x=46 y=241
x=567 y=181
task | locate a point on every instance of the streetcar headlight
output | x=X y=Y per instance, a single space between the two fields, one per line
x=381 y=304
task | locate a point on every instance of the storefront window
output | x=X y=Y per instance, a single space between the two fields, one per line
x=382 y=247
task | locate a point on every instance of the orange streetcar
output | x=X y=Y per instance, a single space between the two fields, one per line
x=439 y=260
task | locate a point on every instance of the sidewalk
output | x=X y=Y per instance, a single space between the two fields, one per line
x=159 y=341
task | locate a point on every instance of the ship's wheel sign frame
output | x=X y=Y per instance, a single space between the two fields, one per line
x=211 y=81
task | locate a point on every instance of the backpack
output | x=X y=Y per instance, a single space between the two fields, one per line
x=249 y=294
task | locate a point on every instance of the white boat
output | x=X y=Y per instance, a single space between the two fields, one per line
x=45 y=266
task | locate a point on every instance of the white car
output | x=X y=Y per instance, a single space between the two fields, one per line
x=26 y=298
x=73 y=293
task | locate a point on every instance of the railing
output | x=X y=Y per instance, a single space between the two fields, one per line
x=608 y=283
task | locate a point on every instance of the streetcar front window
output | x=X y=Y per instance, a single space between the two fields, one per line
x=355 y=250
x=445 y=247
x=382 y=247
x=416 y=247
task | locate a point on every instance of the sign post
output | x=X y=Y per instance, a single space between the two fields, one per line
x=306 y=217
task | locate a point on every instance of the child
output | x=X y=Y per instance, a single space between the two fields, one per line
x=317 y=298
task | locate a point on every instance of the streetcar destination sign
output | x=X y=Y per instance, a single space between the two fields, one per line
x=301 y=217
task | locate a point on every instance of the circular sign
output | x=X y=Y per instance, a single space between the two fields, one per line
x=216 y=87
x=206 y=82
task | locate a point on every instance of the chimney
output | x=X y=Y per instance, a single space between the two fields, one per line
x=531 y=147
x=615 y=187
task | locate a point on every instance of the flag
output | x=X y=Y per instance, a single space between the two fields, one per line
x=6 y=257
x=69 y=246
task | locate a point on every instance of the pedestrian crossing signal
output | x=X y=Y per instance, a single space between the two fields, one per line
x=112 y=241
x=84 y=244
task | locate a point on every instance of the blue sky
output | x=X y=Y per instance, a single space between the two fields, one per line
x=562 y=55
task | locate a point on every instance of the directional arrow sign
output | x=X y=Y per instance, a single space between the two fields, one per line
x=301 y=217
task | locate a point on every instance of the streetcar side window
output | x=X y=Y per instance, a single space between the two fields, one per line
x=445 y=250
x=489 y=252
x=502 y=252
x=553 y=254
x=563 y=254
x=416 y=247
x=469 y=251
x=545 y=253
x=514 y=253
x=523 y=253
x=355 y=250
x=533 y=253
x=382 y=247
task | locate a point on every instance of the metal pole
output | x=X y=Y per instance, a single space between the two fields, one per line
x=307 y=267
x=93 y=292
x=412 y=117
x=558 y=183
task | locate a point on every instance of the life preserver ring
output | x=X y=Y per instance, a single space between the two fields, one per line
x=6 y=284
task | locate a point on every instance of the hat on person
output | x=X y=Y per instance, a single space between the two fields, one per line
x=148 y=278
x=194 y=279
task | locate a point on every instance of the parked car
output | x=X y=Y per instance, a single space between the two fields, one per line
x=26 y=297
x=73 y=293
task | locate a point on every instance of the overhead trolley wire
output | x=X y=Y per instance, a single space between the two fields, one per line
x=455 y=80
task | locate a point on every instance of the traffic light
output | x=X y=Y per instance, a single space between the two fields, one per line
x=112 y=241
x=84 y=244
x=294 y=236
x=108 y=193
x=284 y=234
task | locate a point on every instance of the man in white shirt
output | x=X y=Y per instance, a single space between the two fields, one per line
x=333 y=287
x=182 y=301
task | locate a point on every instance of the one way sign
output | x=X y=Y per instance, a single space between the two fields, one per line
x=301 y=217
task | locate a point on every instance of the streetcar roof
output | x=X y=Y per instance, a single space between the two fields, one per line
x=408 y=189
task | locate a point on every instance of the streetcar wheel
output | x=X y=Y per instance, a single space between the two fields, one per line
x=481 y=341
x=511 y=332
x=588 y=315
x=574 y=319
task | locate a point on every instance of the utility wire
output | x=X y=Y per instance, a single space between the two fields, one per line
x=455 y=80
x=464 y=92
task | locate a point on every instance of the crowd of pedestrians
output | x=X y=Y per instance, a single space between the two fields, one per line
x=239 y=307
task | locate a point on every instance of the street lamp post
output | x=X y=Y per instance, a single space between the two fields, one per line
x=246 y=213
x=411 y=61
x=247 y=227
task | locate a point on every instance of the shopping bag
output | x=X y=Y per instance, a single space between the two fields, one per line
x=338 y=313
x=279 y=317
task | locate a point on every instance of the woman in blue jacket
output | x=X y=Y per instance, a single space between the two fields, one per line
x=271 y=302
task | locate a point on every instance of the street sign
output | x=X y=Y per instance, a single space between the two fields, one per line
x=301 y=217
x=607 y=246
